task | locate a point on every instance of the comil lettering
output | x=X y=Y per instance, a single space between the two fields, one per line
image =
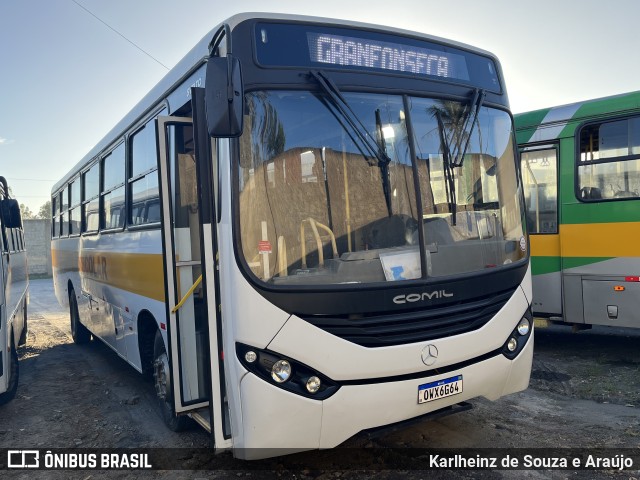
x=418 y=297
x=345 y=51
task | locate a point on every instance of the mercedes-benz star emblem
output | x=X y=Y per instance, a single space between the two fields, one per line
x=429 y=355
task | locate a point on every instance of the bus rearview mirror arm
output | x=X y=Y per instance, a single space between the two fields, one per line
x=224 y=92
x=224 y=97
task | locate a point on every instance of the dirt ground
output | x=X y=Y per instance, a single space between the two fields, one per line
x=584 y=393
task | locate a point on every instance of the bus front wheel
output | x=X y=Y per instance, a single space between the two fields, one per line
x=14 y=375
x=79 y=332
x=164 y=391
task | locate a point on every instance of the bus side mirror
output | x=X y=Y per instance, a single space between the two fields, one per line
x=224 y=97
x=10 y=210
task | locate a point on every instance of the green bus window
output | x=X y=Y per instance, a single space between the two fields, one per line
x=609 y=161
x=540 y=181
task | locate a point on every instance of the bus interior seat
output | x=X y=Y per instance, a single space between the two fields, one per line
x=394 y=231
x=437 y=230
x=590 y=193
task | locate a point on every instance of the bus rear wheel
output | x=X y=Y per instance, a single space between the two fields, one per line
x=79 y=332
x=23 y=335
x=14 y=375
x=164 y=390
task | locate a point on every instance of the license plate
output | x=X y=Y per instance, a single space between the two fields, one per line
x=428 y=392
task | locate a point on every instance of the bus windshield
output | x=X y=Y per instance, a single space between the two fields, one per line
x=324 y=199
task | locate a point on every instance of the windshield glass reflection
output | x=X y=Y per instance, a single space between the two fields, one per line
x=318 y=206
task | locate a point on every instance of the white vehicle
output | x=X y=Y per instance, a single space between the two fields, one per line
x=317 y=232
x=14 y=294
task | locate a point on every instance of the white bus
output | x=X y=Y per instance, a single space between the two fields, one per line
x=316 y=232
x=14 y=292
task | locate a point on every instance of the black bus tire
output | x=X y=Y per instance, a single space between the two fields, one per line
x=14 y=375
x=162 y=383
x=79 y=332
x=23 y=335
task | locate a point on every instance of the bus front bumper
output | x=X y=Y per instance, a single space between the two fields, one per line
x=276 y=422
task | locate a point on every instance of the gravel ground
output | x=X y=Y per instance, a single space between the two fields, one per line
x=584 y=393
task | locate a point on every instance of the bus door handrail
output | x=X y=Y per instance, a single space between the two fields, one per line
x=187 y=295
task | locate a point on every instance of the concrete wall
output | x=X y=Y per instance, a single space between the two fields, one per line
x=37 y=235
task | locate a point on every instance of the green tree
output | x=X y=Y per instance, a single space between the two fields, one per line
x=45 y=210
x=26 y=212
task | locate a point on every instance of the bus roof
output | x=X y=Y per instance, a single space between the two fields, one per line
x=547 y=117
x=198 y=55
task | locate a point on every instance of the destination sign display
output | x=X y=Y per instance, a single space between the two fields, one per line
x=358 y=52
x=299 y=45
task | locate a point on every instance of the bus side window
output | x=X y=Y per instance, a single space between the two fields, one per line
x=153 y=211
x=91 y=183
x=609 y=160
x=55 y=216
x=113 y=190
x=143 y=178
x=74 y=208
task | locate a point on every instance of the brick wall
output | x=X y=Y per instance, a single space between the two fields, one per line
x=37 y=235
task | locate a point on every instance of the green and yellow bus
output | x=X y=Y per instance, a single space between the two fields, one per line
x=580 y=166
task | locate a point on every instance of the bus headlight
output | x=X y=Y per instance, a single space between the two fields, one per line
x=519 y=336
x=313 y=384
x=286 y=373
x=523 y=326
x=281 y=371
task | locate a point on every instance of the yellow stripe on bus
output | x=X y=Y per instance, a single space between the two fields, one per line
x=590 y=240
x=545 y=245
x=138 y=273
x=600 y=240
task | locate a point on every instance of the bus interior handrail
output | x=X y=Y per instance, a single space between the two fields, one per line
x=314 y=228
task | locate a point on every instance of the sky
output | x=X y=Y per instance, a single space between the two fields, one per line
x=66 y=77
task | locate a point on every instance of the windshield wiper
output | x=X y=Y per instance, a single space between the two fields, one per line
x=474 y=109
x=449 y=180
x=374 y=149
x=455 y=158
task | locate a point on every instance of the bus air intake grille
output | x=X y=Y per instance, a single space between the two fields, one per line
x=398 y=328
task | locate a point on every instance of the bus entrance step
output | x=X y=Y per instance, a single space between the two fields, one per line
x=202 y=418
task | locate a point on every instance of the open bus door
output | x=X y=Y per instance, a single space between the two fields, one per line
x=539 y=169
x=189 y=243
